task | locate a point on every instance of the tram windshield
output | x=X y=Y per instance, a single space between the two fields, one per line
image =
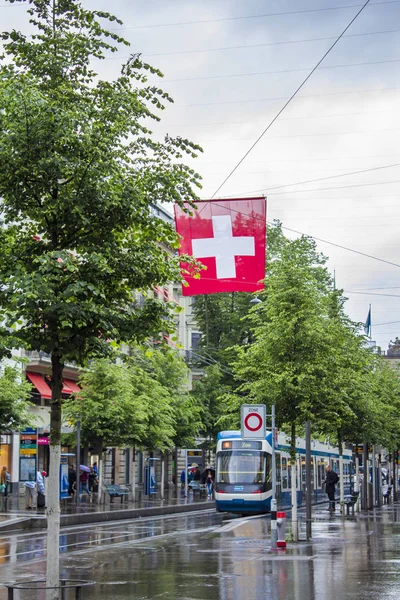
x=242 y=466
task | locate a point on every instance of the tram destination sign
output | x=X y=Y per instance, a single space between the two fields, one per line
x=253 y=417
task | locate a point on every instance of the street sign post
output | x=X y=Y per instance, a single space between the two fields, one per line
x=253 y=418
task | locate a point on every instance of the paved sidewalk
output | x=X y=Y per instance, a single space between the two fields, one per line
x=14 y=515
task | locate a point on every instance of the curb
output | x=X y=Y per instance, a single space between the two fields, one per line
x=34 y=522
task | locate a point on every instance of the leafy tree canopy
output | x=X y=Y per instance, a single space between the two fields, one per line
x=79 y=172
x=14 y=400
x=142 y=401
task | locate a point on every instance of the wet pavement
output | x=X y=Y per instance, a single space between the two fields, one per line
x=202 y=556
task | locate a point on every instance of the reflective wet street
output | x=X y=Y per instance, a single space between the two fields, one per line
x=201 y=556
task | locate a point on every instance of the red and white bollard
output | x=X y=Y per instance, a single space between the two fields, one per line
x=281 y=524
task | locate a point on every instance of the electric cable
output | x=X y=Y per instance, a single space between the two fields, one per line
x=285 y=71
x=259 y=16
x=290 y=99
x=248 y=46
x=277 y=187
x=305 y=96
x=329 y=116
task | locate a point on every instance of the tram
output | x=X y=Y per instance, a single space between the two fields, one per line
x=243 y=480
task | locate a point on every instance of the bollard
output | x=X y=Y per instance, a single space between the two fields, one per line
x=281 y=523
x=274 y=532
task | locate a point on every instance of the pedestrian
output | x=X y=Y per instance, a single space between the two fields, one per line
x=30 y=494
x=197 y=474
x=71 y=480
x=210 y=483
x=4 y=481
x=83 y=480
x=92 y=479
x=331 y=479
x=41 y=489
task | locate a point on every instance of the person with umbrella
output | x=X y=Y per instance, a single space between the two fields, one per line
x=84 y=478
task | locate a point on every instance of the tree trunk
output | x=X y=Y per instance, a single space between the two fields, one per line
x=53 y=488
x=341 y=482
x=98 y=449
x=293 y=472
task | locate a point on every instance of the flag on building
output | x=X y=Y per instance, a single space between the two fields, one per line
x=228 y=238
x=367 y=325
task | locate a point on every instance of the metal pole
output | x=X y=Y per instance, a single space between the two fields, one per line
x=273 y=446
x=374 y=499
x=366 y=476
x=274 y=531
x=308 y=480
x=78 y=461
x=162 y=478
x=186 y=474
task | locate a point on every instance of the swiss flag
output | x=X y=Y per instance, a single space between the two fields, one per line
x=228 y=238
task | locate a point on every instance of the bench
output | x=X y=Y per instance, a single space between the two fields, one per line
x=198 y=487
x=115 y=490
x=350 y=502
x=387 y=495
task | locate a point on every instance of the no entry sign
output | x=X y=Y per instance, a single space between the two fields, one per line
x=253 y=421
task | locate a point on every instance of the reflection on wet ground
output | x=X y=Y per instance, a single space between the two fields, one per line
x=202 y=557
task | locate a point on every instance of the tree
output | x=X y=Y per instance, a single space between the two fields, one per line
x=288 y=364
x=14 y=400
x=79 y=171
x=209 y=392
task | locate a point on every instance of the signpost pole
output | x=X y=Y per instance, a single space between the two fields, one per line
x=274 y=530
x=78 y=462
x=186 y=474
x=308 y=481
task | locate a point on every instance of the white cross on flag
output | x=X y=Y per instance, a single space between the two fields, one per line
x=228 y=238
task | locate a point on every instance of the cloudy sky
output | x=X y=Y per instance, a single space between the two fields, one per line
x=230 y=66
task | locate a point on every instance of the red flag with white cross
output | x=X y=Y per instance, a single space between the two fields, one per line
x=228 y=238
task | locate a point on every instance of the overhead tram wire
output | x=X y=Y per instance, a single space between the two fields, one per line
x=290 y=99
x=329 y=116
x=382 y=260
x=306 y=96
x=249 y=46
x=259 y=16
x=284 y=71
x=277 y=187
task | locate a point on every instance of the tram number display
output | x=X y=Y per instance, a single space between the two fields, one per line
x=241 y=445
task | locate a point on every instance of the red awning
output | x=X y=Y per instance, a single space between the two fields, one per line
x=39 y=384
x=70 y=387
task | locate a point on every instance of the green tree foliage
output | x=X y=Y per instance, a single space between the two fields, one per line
x=143 y=401
x=14 y=404
x=209 y=392
x=79 y=171
x=288 y=363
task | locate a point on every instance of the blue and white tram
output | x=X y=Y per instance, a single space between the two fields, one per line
x=243 y=481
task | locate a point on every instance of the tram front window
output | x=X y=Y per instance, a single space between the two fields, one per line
x=242 y=466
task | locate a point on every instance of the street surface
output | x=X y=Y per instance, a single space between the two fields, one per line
x=201 y=556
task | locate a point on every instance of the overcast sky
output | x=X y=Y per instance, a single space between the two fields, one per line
x=230 y=66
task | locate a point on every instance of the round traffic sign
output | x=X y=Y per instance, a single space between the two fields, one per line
x=256 y=423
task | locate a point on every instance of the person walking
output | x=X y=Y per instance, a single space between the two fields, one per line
x=83 y=480
x=210 y=483
x=4 y=480
x=30 y=494
x=331 y=479
x=71 y=480
x=41 y=489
